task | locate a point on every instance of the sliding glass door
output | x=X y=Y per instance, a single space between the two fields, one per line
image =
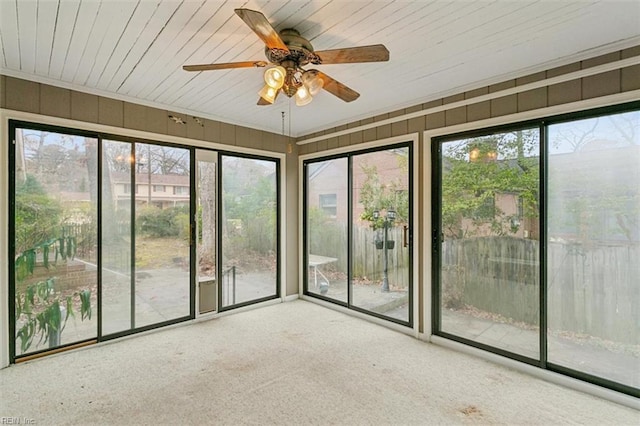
x=146 y=235
x=100 y=236
x=118 y=293
x=593 y=242
x=489 y=248
x=380 y=259
x=162 y=213
x=357 y=230
x=54 y=245
x=326 y=228
x=249 y=234
x=536 y=243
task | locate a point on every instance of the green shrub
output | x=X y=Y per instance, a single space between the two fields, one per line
x=156 y=222
x=37 y=216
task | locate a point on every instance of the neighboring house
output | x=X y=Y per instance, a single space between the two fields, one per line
x=328 y=181
x=166 y=191
x=577 y=209
x=162 y=191
x=510 y=208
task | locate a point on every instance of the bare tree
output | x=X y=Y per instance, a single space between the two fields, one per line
x=575 y=137
x=627 y=126
x=167 y=160
x=207 y=210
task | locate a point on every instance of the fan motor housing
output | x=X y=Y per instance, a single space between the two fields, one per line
x=300 y=49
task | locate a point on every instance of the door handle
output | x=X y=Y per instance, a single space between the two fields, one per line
x=405 y=235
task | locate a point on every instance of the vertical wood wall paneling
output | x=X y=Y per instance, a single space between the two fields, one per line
x=455 y=115
x=55 y=101
x=84 y=107
x=3 y=89
x=212 y=130
x=630 y=76
x=156 y=120
x=195 y=128
x=569 y=91
x=110 y=112
x=479 y=110
x=227 y=133
x=506 y=104
x=135 y=116
x=22 y=95
x=177 y=128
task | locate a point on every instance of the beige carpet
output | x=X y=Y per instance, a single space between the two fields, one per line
x=295 y=363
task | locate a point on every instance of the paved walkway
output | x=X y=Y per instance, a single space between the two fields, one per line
x=393 y=303
x=586 y=355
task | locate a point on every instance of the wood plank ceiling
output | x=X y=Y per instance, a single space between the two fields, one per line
x=134 y=50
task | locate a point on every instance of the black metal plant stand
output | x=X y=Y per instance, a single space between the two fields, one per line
x=386 y=244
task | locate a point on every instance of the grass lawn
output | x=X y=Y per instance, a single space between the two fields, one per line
x=156 y=253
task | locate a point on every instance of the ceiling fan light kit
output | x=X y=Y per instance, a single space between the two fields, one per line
x=313 y=82
x=303 y=97
x=268 y=93
x=290 y=52
x=274 y=77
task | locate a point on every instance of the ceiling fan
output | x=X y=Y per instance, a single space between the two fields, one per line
x=289 y=52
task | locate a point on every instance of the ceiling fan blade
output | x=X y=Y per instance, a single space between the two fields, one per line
x=261 y=26
x=338 y=89
x=349 y=55
x=224 y=66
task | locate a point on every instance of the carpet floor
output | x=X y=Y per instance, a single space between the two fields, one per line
x=294 y=363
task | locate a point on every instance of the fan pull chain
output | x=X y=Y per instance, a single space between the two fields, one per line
x=289 y=119
x=289 y=147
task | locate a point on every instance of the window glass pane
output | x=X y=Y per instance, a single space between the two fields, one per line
x=162 y=251
x=116 y=237
x=249 y=229
x=489 y=276
x=594 y=247
x=207 y=235
x=380 y=261
x=327 y=228
x=55 y=239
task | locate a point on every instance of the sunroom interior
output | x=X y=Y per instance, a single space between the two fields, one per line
x=495 y=212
